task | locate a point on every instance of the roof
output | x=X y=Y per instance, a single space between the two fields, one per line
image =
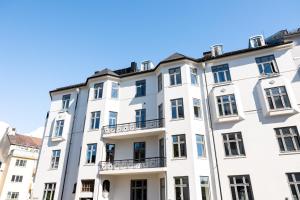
x=274 y=40
x=25 y=141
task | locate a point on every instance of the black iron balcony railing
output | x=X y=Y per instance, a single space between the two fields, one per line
x=153 y=162
x=133 y=126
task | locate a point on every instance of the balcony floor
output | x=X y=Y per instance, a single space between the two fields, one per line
x=134 y=171
x=135 y=133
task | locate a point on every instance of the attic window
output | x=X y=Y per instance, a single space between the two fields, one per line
x=256 y=41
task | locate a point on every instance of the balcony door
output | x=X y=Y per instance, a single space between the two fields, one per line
x=138 y=190
x=110 y=153
x=113 y=119
x=140 y=118
x=139 y=152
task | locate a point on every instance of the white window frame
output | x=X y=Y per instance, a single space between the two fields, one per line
x=16 y=178
x=59 y=128
x=49 y=189
x=178 y=144
x=293 y=135
x=194 y=76
x=202 y=144
x=174 y=74
x=182 y=185
x=112 y=119
x=55 y=159
x=140 y=88
x=114 y=90
x=217 y=73
x=197 y=105
x=231 y=102
x=238 y=141
x=95 y=117
x=12 y=196
x=178 y=103
x=204 y=183
x=282 y=93
x=87 y=185
x=21 y=163
x=159 y=82
x=66 y=101
x=294 y=183
x=91 y=150
x=98 y=90
x=245 y=184
x=262 y=65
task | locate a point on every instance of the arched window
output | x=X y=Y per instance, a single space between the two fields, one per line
x=106 y=186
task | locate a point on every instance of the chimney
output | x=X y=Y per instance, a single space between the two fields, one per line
x=133 y=66
x=207 y=54
x=216 y=50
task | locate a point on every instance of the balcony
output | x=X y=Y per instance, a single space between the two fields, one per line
x=131 y=166
x=134 y=129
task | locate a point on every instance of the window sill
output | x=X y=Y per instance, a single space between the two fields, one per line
x=289 y=153
x=179 y=158
x=178 y=119
x=96 y=99
x=229 y=118
x=222 y=84
x=52 y=169
x=64 y=110
x=139 y=96
x=233 y=157
x=287 y=111
x=89 y=164
x=57 y=139
x=94 y=130
x=199 y=119
x=202 y=157
x=269 y=76
x=171 y=86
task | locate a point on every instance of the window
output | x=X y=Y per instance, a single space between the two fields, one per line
x=0 y=164
x=200 y=146
x=115 y=90
x=16 y=178
x=241 y=187
x=159 y=82
x=177 y=108
x=59 y=128
x=110 y=152
x=221 y=73
x=204 y=182
x=91 y=153
x=288 y=139
x=49 y=191
x=233 y=144
x=98 y=90
x=113 y=116
x=21 y=163
x=197 y=108
x=175 y=76
x=140 y=88
x=138 y=190
x=139 y=151
x=160 y=111
x=95 y=120
x=66 y=101
x=74 y=188
x=140 y=118
x=162 y=189
x=294 y=182
x=194 y=76
x=55 y=159
x=182 y=188
x=12 y=195
x=278 y=98
x=87 y=185
x=267 y=65
x=227 y=105
x=179 y=146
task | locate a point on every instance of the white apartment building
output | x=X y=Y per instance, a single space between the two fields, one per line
x=18 y=160
x=224 y=126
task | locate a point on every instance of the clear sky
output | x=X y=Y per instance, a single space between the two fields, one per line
x=49 y=44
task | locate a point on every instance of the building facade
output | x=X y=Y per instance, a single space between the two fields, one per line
x=224 y=126
x=18 y=160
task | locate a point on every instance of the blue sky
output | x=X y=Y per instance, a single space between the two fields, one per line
x=48 y=44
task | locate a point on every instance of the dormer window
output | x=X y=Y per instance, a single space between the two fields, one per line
x=267 y=65
x=216 y=50
x=256 y=41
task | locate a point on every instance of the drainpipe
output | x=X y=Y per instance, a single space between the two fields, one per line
x=70 y=142
x=212 y=131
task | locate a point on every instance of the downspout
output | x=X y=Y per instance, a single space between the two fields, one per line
x=212 y=131
x=70 y=142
